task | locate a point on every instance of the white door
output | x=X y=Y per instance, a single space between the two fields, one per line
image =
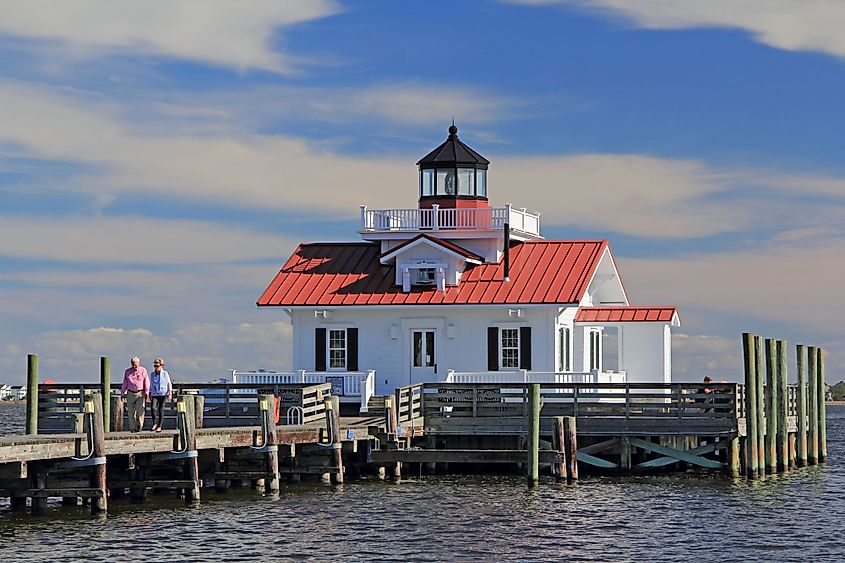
x=423 y=358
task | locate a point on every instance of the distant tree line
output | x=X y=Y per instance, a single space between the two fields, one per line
x=838 y=391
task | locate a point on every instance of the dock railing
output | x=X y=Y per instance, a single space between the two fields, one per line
x=348 y=385
x=689 y=408
x=226 y=404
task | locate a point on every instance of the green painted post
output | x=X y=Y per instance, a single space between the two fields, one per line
x=32 y=394
x=533 y=434
x=822 y=408
x=782 y=408
x=801 y=449
x=759 y=360
x=771 y=407
x=752 y=463
x=812 y=407
x=105 y=391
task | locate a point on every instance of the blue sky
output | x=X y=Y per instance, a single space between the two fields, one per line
x=159 y=160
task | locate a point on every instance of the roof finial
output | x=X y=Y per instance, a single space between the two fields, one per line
x=453 y=130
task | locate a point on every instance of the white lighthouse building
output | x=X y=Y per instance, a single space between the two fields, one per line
x=456 y=290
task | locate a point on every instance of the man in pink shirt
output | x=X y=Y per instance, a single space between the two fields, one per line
x=136 y=391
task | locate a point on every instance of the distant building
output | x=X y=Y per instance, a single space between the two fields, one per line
x=17 y=392
x=5 y=392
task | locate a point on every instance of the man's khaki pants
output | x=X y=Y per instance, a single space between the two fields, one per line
x=135 y=407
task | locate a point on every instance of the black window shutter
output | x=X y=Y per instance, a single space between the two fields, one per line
x=320 y=349
x=525 y=347
x=351 y=349
x=492 y=348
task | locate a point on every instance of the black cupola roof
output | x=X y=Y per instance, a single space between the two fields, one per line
x=453 y=153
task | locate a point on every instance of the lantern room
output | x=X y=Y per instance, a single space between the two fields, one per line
x=453 y=176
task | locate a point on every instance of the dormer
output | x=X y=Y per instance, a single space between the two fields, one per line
x=425 y=261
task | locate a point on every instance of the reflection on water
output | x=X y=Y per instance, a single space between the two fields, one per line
x=669 y=518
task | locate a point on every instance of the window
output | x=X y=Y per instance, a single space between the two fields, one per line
x=446 y=181
x=337 y=349
x=595 y=349
x=510 y=347
x=563 y=350
x=426 y=183
x=466 y=181
x=481 y=183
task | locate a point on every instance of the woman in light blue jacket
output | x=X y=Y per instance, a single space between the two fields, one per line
x=161 y=389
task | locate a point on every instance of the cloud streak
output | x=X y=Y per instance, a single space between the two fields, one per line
x=216 y=32
x=810 y=25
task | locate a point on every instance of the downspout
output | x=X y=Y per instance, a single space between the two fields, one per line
x=507 y=249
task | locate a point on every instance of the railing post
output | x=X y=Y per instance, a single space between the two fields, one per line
x=363 y=217
x=105 y=391
x=435 y=217
x=301 y=375
x=32 y=394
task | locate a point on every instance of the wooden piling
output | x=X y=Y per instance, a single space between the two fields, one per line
x=801 y=434
x=38 y=504
x=199 y=411
x=822 y=393
x=533 y=467
x=271 y=483
x=332 y=405
x=570 y=435
x=771 y=406
x=812 y=407
x=192 y=494
x=733 y=458
x=752 y=463
x=105 y=391
x=759 y=359
x=116 y=412
x=32 y=394
x=98 y=473
x=559 y=444
x=782 y=407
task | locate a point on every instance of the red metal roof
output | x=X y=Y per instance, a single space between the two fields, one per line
x=625 y=314
x=338 y=274
x=448 y=245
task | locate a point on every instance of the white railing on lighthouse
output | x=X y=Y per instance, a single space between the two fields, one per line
x=437 y=219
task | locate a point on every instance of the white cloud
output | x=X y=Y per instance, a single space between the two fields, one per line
x=219 y=32
x=134 y=240
x=809 y=25
x=192 y=352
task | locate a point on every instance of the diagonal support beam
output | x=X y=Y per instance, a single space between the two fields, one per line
x=596 y=461
x=666 y=460
x=601 y=446
x=678 y=455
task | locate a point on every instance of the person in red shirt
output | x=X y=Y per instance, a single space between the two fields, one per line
x=136 y=391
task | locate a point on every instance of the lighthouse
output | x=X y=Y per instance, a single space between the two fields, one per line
x=454 y=290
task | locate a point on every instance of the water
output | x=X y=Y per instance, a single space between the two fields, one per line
x=786 y=517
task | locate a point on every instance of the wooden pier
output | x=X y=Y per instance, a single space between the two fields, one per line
x=219 y=436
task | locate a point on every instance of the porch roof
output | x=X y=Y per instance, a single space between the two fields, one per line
x=627 y=315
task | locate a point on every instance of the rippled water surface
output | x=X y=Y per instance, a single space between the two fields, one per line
x=688 y=517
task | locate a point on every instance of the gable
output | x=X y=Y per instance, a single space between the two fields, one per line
x=605 y=287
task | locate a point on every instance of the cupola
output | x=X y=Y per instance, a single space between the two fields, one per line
x=453 y=176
